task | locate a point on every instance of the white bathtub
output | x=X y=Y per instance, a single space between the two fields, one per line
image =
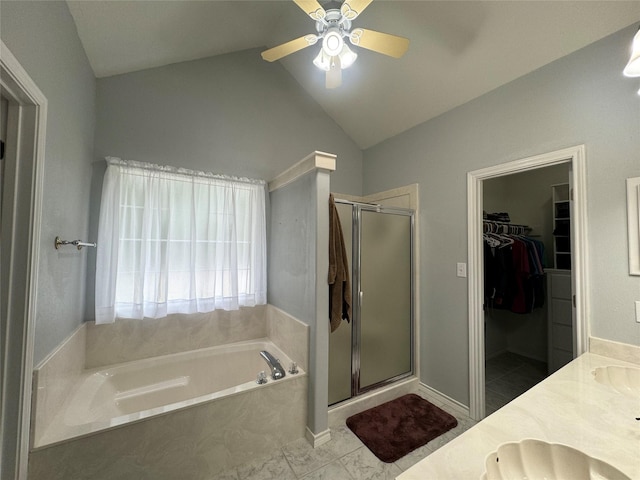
x=105 y=398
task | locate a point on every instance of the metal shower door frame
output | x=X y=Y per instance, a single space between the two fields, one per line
x=356 y=286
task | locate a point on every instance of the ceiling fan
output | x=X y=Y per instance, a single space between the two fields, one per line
x=333 y=24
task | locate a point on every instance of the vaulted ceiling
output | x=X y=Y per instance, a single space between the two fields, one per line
x=459 y=50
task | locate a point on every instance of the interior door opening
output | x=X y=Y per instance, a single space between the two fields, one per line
x=528 y=331
x=578 y=278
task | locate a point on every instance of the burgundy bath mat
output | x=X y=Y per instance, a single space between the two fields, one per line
x=395 y=428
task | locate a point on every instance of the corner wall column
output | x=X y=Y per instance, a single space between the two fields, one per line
x=298 y=268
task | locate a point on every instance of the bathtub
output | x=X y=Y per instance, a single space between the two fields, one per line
x=208 y=399
x=133 y=391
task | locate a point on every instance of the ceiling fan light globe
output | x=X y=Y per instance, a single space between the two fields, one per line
x=347 y=57
x=322 y=61
x=332 y=43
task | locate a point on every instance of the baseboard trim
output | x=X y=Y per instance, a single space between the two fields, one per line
x=433 y=394
x=317 y=439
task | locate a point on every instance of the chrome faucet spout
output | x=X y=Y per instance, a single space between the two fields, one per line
x=277 y=372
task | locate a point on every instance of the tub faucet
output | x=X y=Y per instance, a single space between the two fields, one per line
x=277 y=371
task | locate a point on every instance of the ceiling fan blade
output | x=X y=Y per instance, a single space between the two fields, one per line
x=352 y=8
x=384 y=43
x=276 y=53
x=312 y=8
x=334 y=74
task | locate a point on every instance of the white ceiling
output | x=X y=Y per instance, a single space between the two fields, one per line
x=459 y=50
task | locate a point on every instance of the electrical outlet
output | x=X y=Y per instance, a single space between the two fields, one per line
x=638 y=311
x=461 y=270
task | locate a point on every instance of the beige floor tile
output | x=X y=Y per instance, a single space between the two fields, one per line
x=364 y=465
x=273 y=468
x=333 y=471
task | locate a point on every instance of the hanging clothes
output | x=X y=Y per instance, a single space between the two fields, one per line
x=514 y=270
x=339 y=282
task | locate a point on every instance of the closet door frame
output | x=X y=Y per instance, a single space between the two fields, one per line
x=575 y=156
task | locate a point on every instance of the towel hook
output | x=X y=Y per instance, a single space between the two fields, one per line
x=77 y=243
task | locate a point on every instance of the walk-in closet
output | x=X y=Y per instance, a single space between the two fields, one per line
x=527 y=280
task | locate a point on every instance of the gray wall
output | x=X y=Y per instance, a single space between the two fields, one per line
x=43 y=38
x=292 y=249
x=580 y=99
x=232 y=114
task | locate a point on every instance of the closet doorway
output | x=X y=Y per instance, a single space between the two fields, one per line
x=523 y=344
x=527 y=280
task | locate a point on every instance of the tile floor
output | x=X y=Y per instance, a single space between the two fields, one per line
x=509 y=375
x=344 y=457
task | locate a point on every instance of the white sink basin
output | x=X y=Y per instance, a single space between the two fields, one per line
x=623 y=379
x=532 y=459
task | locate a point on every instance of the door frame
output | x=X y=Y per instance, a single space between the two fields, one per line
x=356 y=345
x=21 y=220
x=579 y=274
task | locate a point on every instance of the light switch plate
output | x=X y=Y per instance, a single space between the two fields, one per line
x=461 y=270
x=638 y=311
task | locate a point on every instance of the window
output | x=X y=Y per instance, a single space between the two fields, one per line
x=177 y=241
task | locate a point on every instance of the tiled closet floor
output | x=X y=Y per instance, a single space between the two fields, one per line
x=344 y=457
x=509 y=375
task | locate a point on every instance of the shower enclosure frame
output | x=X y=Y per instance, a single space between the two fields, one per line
x=357 y=294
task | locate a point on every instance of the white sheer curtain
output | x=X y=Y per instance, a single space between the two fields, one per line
x=172 y=240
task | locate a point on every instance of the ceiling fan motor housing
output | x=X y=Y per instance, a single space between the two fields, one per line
x=333 y=20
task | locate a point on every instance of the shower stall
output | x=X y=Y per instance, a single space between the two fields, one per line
x=376 y=347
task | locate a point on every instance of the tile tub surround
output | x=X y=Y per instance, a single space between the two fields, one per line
x=126 y=339
x=569 y=407
x=54 y=378
x=195 y=443
x=288 y=333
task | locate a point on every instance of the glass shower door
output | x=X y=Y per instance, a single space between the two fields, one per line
x=385 y=295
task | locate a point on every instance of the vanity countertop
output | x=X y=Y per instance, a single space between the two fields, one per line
x=569 y=407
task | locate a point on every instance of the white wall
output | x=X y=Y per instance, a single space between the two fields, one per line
x=580 y=99
x=43 y=38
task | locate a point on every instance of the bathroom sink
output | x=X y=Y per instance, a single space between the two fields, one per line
x=532 y=459
x=623 y=379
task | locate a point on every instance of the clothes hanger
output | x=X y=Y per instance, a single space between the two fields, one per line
x=493 y=242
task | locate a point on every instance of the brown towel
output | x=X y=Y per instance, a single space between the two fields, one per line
x=339 y=284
